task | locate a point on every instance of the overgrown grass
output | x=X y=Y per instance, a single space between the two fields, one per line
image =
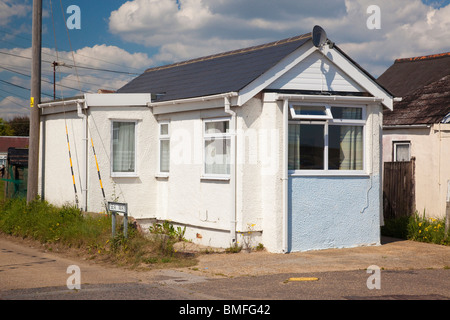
x=89 y=233
x=417 y=228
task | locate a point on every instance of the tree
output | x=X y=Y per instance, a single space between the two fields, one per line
x=5 y=128
x=20 y=126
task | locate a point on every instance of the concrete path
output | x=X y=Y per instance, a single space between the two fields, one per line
x=28 y=272
x=393 y=254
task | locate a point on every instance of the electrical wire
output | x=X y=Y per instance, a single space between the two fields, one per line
x=73 y=66
x=21 y=87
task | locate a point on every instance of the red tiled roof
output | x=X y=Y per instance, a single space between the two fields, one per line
x=16 y=142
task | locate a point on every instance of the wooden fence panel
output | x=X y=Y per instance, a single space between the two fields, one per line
x=398 y=189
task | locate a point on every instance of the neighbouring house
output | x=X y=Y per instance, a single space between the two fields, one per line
x=11 y=142
x=13 y=166
x=418 y=129
x=278 y=144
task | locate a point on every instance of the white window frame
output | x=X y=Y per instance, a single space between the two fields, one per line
x=206 y=136
x=397 y=143
x=326 y=116
x=163 y=137
x=323 y=120
x=124 y=174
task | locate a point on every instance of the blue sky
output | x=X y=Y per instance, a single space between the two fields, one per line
x=130 y=36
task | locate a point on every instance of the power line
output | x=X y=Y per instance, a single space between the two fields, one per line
x=79 y=54
x=82 y=67
x=43 y=80
x=47 y=73
x=21 y=87
x=20 y=105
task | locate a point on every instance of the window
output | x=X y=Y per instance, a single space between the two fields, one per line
x=402 y=150
x=123 y=148
x=217 y=144
x=164 y=148
x=326 y=144
x=310 y=112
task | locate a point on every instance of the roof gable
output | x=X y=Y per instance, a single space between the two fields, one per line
x=316 y=73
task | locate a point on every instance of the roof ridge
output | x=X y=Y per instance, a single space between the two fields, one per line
x=420 y=58
x=229 y=53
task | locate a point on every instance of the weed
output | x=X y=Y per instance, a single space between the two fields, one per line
x=168 y=229
x=234 y=248
x=89 y=233
x=417 y=228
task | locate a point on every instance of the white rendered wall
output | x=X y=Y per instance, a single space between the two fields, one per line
x=54 y=157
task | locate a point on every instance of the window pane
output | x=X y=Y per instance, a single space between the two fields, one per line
x=215 y=127
x=123 y=146
x=164 y=156
x=346 y=113
x=217 y=156
x=345 y=147
x=306 y=147
x=310 y=110
x=402 y=152
x=164 y=129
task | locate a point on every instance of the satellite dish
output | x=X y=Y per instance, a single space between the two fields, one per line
x=319 y=36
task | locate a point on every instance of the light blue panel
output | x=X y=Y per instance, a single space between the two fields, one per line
x=333 y=212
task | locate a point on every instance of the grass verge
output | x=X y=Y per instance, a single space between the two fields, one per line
x=89 y=234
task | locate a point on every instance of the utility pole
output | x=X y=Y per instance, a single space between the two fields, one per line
x=54 y=64
x=35 y=99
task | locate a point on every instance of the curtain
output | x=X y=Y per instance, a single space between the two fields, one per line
x=217 y=156
x=351 y=148
x=164 y=155
x=294 y=147
x=123 y=146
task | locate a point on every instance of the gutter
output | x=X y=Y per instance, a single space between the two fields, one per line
x=406 y=126
x=285 y=177
x=233 y=171
x=84 y=154
x=196 y=99
x=308 y=97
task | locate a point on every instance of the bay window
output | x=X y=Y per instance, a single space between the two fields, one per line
x=326 y=138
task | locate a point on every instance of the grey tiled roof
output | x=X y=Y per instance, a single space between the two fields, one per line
x=220 y=73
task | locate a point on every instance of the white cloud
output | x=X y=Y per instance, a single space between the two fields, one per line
x=12 y=106
x=199 y=27
x=9 y=9
x=79 y=81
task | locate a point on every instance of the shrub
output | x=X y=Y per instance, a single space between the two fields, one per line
x=427 y=230
x=417 y=228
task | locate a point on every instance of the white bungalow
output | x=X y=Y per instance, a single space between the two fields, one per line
x=281 y=139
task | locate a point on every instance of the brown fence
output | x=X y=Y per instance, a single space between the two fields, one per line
x=398 y=189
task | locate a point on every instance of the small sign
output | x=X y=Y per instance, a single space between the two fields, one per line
x=31 y=102
x=118 y=207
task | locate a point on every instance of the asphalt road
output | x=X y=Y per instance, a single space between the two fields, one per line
x=29 y=273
